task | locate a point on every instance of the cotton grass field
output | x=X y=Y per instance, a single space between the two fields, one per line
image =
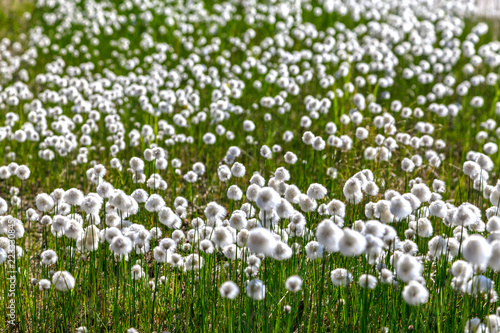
x=249 y=166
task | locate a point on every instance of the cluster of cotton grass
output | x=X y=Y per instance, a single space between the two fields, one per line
x=276 y=222
x=293 y=164
x=489 y=324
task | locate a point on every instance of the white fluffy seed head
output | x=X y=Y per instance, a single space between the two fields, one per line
x=422 y=192
x=329 y=235
x=314 y=250
x=476 y=250
x=256 y=290
x=293 y=283
x=44 y=202
x=352 y=190
x=341 y=277
x=261 y=240
x=400 y=207
x=367 y=281
x=290 y=158
x=415 y=294
x=229 y=290
x=214 y=212
x=316 y=191
x=408 y=268
x=63 y=281
x=352 y=243
x=267 y=198
x=238 y=170
x=234 y=193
